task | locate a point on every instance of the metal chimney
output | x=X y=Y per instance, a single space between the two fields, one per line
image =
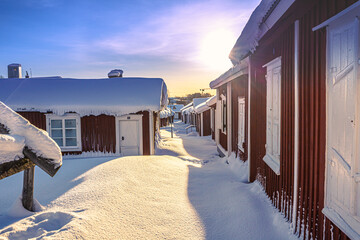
x=14 y=70
x=115 y=73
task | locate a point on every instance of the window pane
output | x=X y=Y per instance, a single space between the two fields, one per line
x=70 y=123
x=70 y=142
x=56 y=123
x=56 y=133
x=59 y=141
x=70 y=133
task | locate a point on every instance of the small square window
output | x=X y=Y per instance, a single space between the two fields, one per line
x=65 y=130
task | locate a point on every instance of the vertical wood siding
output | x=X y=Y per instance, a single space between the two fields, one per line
x=213 y=131
x=279 y=188
x=198 y=123
x=145 y=132
x=238 y=89
x=36 y=118
x=98 y=133
x=206 y=122
x=311 y=223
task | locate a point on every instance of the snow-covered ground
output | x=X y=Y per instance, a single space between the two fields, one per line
x=185 y=191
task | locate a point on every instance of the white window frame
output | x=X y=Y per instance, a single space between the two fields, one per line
x=241 y=122
x=75 y=116
x=223 y=111
x=273 y=161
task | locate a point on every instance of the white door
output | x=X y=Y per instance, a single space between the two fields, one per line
x=342 y=189
x=129 y=137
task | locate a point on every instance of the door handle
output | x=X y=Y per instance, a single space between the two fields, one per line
x=122 y=138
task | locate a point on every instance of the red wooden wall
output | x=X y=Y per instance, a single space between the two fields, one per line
x=36 y=118
x=98 y=133
x=198 y=123
x=145 y=132
x=312 y=111
x=206 y=123
x=238 y=89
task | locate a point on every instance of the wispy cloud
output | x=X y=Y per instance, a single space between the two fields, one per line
x=177 y=32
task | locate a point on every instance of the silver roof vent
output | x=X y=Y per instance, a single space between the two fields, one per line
x=115 y=73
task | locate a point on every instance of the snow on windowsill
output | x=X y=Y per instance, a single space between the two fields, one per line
x=334 y=217
x=274 y=165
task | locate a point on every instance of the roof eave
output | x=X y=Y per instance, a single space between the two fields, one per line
x=234 y=72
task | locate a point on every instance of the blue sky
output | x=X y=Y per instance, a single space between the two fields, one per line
x=184 y=42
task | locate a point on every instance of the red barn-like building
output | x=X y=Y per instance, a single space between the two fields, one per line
x=111 y=116
x=296 y=64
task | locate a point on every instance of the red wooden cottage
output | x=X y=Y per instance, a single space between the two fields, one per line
x=166 y=116
x=205 y=117
x=113 y=115
x=303 y=103
x=186 y=113
x=232 y=91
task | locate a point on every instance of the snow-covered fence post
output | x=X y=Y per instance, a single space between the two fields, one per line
x=28 y=189
x=27 y=146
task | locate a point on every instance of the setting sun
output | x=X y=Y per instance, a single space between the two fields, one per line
x=215 y=48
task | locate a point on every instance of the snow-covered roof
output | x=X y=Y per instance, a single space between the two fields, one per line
x=166 y=112
x=198 y=101
x=268 y=12
x=22 y=133
x=231 y=74
x=211 y=101
x=112 y=96
x=176 y=107
x=202 y=107
x=186 y=106
x=188 y=110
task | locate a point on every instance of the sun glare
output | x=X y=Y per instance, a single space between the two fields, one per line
x=215 y=48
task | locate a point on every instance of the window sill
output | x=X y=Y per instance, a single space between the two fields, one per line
x=334 y=217
x=70 y=149
x=274 y=165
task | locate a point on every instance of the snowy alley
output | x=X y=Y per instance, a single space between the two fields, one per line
x=184 y=191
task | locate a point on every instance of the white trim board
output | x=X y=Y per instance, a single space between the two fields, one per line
x=249 y=124
x=296 y=119
x=229 y=118
x=234 y=72
x=151 y=135
x=344 y=12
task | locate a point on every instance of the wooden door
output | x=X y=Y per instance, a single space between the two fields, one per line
x=342 y=178
x=129 y=137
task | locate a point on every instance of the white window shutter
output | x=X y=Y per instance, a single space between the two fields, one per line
x=273 y=110
x=269 y=109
